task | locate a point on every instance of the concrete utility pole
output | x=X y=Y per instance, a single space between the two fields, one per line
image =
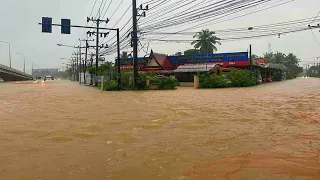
x=135 y=42
x=118 y=62
x=79 y=72
x=85 y=58
x=135 y=38
x=97 y=33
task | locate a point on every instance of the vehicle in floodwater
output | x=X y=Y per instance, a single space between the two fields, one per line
x=48 y=78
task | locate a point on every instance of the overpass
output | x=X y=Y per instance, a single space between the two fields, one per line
x=10 y=74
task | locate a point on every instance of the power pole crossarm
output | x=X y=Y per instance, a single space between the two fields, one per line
x=97 y=33
x=135 y=38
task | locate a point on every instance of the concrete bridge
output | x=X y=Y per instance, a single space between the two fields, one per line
x=10 y=74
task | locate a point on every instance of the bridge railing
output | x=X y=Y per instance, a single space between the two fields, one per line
x=14 y=70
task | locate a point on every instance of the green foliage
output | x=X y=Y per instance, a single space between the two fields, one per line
x=142 y=81
x=191 y=52
x=102 y=69
x=207 y=80
x=126 y=80
x=314 y=71
x=206 y=41
x=242 y=78
x=291 y=61
x=91 y=70
x=111 y=86
x=165 y=83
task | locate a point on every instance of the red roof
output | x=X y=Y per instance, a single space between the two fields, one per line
x=161 y=60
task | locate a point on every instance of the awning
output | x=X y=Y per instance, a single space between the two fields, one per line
x=195 y=68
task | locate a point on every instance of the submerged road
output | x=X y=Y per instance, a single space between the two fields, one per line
x=61 y=130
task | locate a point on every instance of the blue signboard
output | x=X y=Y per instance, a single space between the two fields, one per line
x=195 y=59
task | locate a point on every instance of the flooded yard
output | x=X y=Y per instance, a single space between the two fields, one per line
x=61 y=130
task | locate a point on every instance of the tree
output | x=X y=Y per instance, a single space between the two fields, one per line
x=191 y=52
x=291 y=60
x=125 y=54
x=314 y=71
x=206 y=41
x=254 y=56
x=178 y=54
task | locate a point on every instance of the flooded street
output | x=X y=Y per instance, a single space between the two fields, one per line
x=61 y=130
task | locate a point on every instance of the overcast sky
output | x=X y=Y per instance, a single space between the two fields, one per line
x=20 y=18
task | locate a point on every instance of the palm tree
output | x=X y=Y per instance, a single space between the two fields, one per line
x=206 y=41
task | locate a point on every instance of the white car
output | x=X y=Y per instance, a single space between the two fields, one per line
x=1 y=80
x=48 y=78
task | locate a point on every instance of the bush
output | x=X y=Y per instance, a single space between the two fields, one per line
x=212 y=81
x=242 y=78
x=165 y=82
x=127 y=81
x=142 y=81
x=111 y=86
x=291 y=76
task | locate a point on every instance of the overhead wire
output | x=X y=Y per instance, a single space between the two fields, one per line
x=210 y=21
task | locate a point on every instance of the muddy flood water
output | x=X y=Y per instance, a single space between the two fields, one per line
x=63 y=131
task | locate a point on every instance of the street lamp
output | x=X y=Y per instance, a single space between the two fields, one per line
x=24 y=61
x=62 y=45
x=9 y=51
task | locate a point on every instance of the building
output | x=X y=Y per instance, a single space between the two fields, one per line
x=234 y=59
x=185 y=66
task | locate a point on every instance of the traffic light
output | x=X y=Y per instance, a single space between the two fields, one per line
x=46 y=25
x=65 y=26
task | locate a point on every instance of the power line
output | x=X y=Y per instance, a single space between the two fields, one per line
x=224 y=20
x=315 y=37
x=315 y=17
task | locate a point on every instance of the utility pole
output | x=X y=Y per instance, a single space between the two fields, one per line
x=79 y=72
x=250 y=58
x=135 y=38
x=85 y=58
x=77 y=67
x=73 y=69
x=97 y=21
x=118 y=62
x=91 y=79
x=135 y=42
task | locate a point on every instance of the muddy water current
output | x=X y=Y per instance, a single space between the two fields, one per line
x=63 y=131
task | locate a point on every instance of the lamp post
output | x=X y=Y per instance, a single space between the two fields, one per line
x=24 y=61
x=9 y=51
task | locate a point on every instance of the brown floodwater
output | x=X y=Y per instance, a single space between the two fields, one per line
x=63 y=131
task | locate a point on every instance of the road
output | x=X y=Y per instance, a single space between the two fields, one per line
x=61 y=130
